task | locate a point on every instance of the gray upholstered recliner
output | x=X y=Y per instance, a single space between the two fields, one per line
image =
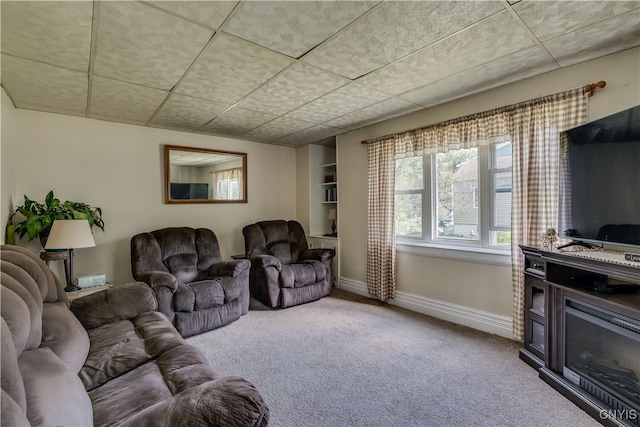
x=195 y=288
x=284 y=271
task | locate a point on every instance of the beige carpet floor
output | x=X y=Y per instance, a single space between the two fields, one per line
x=346 y=360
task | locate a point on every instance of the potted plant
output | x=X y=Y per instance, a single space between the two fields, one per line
x=35 y=219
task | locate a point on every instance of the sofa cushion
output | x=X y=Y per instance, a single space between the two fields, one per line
x=11 y=414
x=63 y=333
x=308 y=272
x=183 y=266
x=128 y=394
x=280 y=250
x=287 y=277
x=206 y=294
x=115 y=349
x=10 y=376
x=55 y=395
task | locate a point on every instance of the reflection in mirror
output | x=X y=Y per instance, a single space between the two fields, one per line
x=199 y=175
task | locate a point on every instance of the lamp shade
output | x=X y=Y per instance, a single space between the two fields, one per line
x=333 y=214
x=70 y=234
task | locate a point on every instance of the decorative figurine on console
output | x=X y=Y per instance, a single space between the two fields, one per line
x=549 y=238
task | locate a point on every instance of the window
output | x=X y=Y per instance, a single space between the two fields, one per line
x=227 y=189
x=227 y=184
x=461 y=197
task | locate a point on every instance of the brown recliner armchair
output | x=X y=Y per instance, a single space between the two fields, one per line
x=284 y=271
x=195 y=288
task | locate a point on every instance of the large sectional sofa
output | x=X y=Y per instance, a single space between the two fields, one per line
x=108 y=359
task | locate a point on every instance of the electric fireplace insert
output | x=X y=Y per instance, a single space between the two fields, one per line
x=602 y=356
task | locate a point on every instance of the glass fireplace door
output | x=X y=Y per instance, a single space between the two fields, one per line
x=602 y=354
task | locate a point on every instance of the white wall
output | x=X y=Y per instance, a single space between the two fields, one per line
x=7 y=168
x=427 y=282
x=119 y=168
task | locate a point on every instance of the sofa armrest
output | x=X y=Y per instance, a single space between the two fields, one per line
x=117 y=303
x=263 y=261
x=158 y=279
x=320 y=254
x=231 y=268
x=228 y=401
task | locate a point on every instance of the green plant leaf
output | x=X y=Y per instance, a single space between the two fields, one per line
x=33 y=226
x=10 y=234
x=80 y=215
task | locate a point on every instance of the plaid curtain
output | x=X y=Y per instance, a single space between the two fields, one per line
x=470 y=131
x=381 y=236
x=535 y=130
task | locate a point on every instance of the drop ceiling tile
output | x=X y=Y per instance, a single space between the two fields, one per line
x=550 y=19
x=185 y=112
x=209 y=13
x=394 y=29
x=230 y=69
x=517 y=66
x=606 y=37
x=57 y=33
x=293 y=27
x=237 y=121
x=295 y=86
x=386 y=109
x=465 y=49
x=127 y=120
x=143 y=45
x=312 y=135
x=114 y=98
x=341 y=101
x=33 y=84
x=278 y=128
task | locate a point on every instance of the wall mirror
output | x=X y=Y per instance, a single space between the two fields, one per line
x=200 y=175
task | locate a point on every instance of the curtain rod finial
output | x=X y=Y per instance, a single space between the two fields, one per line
x=593 y=86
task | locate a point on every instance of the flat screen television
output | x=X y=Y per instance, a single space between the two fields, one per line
x=189 y=190
x=600 y=181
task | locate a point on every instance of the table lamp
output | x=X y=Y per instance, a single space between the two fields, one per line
x=70 y=234
x=333 y=215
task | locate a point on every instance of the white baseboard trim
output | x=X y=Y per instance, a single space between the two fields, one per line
x=461 y=315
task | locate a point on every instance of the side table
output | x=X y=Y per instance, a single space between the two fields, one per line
x=48 y=256
x=87 y=291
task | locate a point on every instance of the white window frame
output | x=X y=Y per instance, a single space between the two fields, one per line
x=480 y=250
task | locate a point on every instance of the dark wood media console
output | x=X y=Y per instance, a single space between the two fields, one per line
x=596 y=280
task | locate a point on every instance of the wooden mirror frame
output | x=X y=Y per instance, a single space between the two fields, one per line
x=169 y=149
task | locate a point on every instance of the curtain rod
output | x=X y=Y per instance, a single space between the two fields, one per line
x=588 y=89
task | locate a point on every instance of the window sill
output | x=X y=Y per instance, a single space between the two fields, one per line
x=460 y=253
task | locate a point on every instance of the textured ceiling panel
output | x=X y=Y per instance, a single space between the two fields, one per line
x=55 y=33
x=185 y=112
x=114 y=98
x=209 y=13
x=278 y=128
x=230 y=69
x=604 y=38
x=452 y=55
x=289 y=72
x=32 y=84
x=391 y=107
x=341 y=101
x=517 y=66
x=237 y=121
x=550 y=19
x=316 y=133
x=393 y=30
x=294 y=87
x=143 y=45
x=293 y=28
